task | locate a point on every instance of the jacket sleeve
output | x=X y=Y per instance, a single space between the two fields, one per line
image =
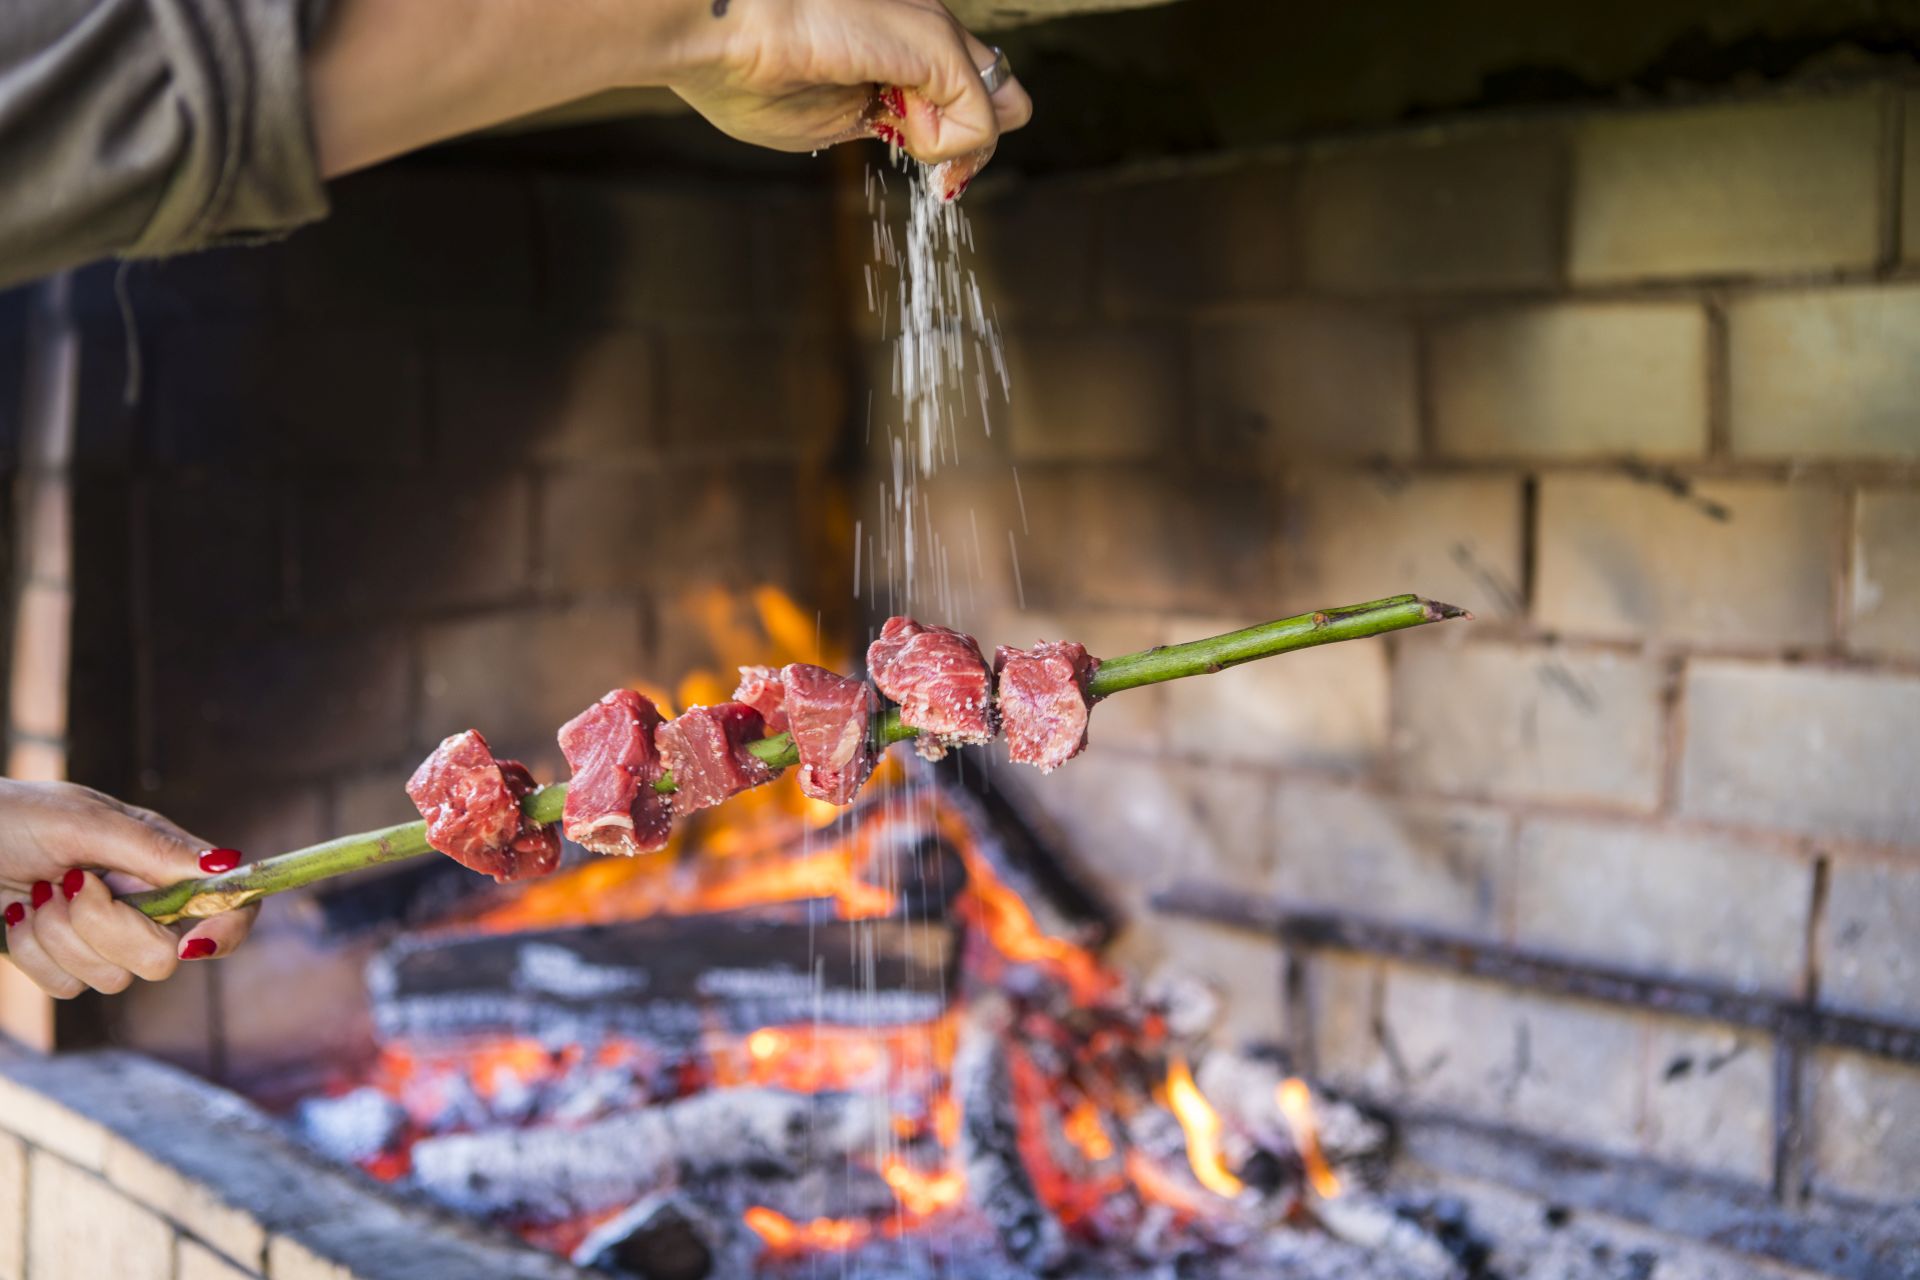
x=151 y=127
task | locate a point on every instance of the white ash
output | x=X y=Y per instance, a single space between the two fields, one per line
x=354 y=1127
x=1245 y=1091
x=556 y=971
x=553 y=1173
x=1191 y=1005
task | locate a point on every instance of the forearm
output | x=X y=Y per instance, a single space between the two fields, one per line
x=389 y=76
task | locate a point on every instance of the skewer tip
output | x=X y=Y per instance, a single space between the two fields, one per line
x=1438 y=611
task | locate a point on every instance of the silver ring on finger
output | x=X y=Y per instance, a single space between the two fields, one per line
x=996 y=73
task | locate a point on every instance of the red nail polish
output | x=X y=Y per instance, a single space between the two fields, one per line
x=215 y=861
x=42 y=894
x=72 y=883
x=16 y=912
x=198 y=948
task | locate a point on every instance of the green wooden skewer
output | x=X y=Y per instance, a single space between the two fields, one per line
x=244 y=885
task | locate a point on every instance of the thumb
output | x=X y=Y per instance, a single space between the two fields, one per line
x=142 y=844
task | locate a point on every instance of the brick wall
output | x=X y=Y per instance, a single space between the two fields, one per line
x=454 y=457
x=1638 y=387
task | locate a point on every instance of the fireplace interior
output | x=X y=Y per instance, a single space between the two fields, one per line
x=1580 y=941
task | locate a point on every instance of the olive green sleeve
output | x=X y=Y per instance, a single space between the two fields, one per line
x=150 y=127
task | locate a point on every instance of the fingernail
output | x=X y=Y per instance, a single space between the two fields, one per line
x=42 y=894
x=72 y=883
x=16 y=912
x=198 y=948
x=215 y=861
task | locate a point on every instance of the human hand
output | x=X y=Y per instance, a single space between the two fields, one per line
x=797 y=75
x=63 y=927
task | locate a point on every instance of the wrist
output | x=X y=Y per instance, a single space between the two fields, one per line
x=657 y=42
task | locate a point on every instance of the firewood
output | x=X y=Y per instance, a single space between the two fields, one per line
x=551 y=1174
x=663 y=979
x=193 y=899
x=998 y=1182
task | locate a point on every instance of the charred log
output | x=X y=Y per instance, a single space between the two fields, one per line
x=998 y=1182
x=667 y=979
x=1355 y=1142
x=663 y=1237
x=546 y=1175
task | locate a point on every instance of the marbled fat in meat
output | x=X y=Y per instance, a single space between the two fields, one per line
x=831 y=720
x=761 y=689
x=1043 y=701
x=611 y=804
x=943 y=685
x=471 y=802
x=706 y=747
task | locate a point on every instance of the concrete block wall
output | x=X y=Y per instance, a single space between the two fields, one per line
x=1642 y=389
x=112 y=1165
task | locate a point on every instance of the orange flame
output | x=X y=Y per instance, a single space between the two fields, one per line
x=1005 y=919
x=1202 y=1126
x=1087 y=1132
x=923 y=1194
x=1296 y=1104
x=783 y=1235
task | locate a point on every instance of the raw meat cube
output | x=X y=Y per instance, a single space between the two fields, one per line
x=831 y=717
x=471 y=802
x=1043 y=701
x=941 y=682
x=611 y=804
x=760 y=688
x=706 y=747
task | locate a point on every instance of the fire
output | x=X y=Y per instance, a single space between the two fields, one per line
x=1005 y=919
x=1088 y=1132
x=823 y=1235
x=1202 y=1126
x=819 y=1059
x=1296 y=1104
x=923 y=1194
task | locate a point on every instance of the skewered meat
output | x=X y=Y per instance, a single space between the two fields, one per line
x=831 y=721
x=611 y=804
x=941 y=682
x=706 y=747
x=1043 y=701
x=761 y=689
x=471 y=802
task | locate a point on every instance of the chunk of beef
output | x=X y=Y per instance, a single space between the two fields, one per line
x=1043 y=701
x=761 y=689
x=611 y=804
x=706 y=747
x=831 y=717
x=471 y=802
x=941 y=682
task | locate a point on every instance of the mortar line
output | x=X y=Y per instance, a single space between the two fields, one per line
x=1719 y=389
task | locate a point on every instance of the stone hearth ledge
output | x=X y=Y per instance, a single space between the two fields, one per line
x=178 y=1164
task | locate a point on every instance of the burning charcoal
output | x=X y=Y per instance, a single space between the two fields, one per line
x=831 y=718
x=998 y=1182
x=827 y=1189
x=1043 y=701
x=592 y=1093
x=665 y=979
x=663 y=1237
x=611 y=804
x=1189 y=1003
x=763 y=689
x=354 y=1127
x=471 y=802
x=941 y=682
x=706 y=747
x=1248 y=1092
x=548 y=1175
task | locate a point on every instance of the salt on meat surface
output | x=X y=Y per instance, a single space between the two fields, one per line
x=1043 y=701
x=942 y=683
x=706 y=747
x=471 y=802
x=831 y=721
x=612 y=806
x=762 y=689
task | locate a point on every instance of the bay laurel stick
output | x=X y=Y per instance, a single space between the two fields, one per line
x=197 y=898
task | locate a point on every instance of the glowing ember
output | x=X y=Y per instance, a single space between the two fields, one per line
x=822 y=1235
x=1202 y=1125
x=923 y=1194
x=1087 y=1132
x=1296 y=1103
